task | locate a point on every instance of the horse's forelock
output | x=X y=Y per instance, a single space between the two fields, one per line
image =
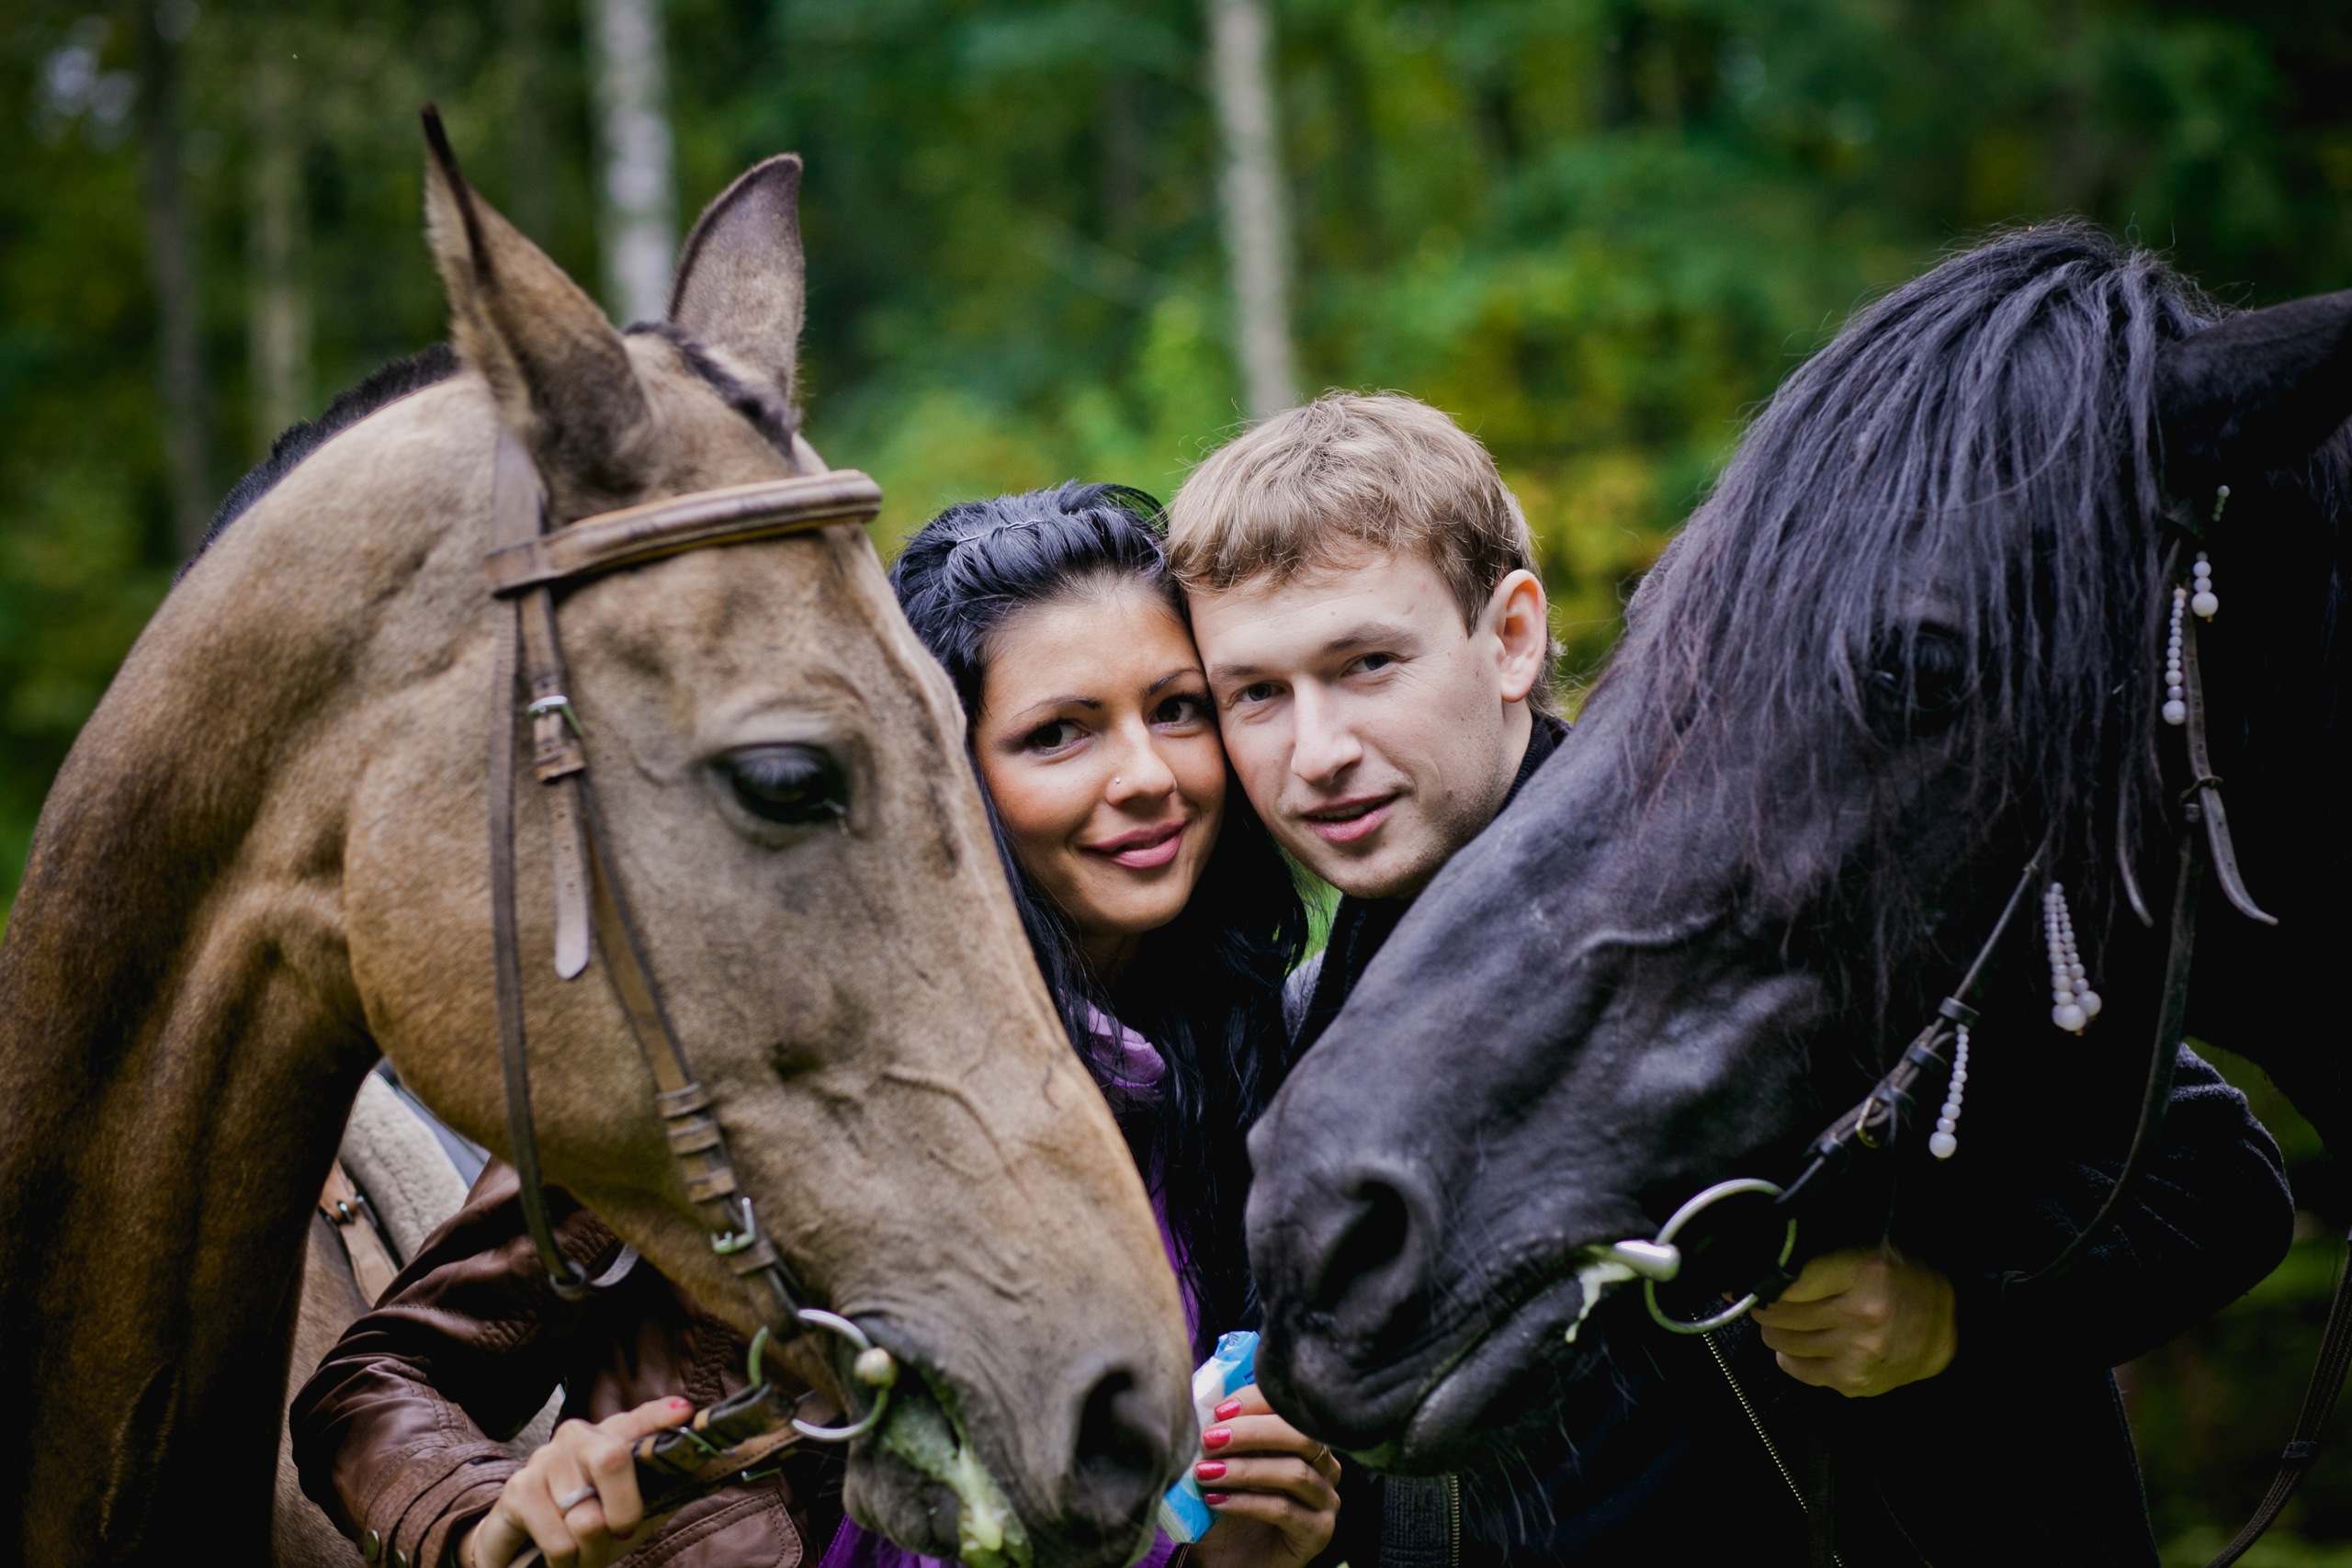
x=1979 y=443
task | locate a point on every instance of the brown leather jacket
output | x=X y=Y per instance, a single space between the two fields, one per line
x=397 y=1434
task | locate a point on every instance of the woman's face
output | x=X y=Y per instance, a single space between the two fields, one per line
x=1096 y=741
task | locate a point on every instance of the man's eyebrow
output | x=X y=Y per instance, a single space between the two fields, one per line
x=1367 y=634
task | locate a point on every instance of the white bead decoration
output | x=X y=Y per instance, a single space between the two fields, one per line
x=2201 y=589
x=2176 y=671
x=2073 y=1003
x=1944 y=1142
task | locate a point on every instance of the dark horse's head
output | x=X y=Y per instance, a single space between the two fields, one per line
x=1916 y=633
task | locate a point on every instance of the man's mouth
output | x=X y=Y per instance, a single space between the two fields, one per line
x=1146 y=849
x=1346 y=822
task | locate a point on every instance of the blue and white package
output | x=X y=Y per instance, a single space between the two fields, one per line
x=1232 y=1367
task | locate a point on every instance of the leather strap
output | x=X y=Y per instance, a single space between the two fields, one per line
x=363 y=1240
x=526 y=564
x=2310 y=1426
x=633 y=536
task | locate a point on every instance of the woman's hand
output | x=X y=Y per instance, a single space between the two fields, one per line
x=588 y=1467
x=1863 y=1322
x=1274 y=1489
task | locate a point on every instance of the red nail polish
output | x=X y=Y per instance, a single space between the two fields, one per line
x=1213 y=1499
x=680 y=1405
x=628 y=1534
x=1216 y=1438
x=1209 y=1470
x=1228 y=1410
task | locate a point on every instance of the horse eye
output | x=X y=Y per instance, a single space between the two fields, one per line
x=1916 y=685
x=791 y=785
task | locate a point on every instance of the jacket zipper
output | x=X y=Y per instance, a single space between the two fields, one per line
x=1756 y=1421
x=1453 y=1520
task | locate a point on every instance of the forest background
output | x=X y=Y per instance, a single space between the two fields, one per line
x=1597 y=231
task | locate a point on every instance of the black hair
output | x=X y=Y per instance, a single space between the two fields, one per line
x=1206 y=988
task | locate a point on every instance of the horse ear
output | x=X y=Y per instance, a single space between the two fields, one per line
x=2257 y=392
x=742 y=283
x=559 y=372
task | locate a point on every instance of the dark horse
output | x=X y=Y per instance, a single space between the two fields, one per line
x=1915 y=637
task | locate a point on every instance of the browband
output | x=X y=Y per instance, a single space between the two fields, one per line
x=733 y=515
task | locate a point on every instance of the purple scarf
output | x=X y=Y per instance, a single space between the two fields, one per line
x=1131 y=1073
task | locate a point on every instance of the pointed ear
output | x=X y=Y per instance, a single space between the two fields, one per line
x=2260 y=392
x=741 y=283
x=561 y=373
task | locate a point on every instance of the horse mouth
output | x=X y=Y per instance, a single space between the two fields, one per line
x=1483 y=1390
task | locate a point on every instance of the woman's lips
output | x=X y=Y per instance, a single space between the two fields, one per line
x=1143 y=850
x=1350 y=820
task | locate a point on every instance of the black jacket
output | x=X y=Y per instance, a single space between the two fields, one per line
x=2018 y=1452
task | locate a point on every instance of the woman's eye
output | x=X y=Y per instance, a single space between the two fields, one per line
x=1050 y=736
x=1189 y=708
x=791 y=785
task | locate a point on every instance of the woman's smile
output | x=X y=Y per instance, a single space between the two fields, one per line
x=1146 y=849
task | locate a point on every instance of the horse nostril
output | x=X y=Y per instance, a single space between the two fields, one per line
x=1370 y=1241
x=1119 y=1454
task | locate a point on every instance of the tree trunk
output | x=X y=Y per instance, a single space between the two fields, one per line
x=639 y=195
x=278 y=307
x=1255 y=217
x=171 y=264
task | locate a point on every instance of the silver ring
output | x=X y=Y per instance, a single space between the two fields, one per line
x=1683 y=1216
x=875 y=1367
x=572 y=1499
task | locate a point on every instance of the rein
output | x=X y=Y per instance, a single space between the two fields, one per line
x=526 y=565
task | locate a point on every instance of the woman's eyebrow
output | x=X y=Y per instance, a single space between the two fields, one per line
x=1176 y=674
x=1048 y=705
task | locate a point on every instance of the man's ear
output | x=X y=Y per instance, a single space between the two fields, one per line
x=741 y=285
x=1520 y=620
x=559 y=370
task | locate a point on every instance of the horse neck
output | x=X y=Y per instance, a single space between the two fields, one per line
x=179 y=1030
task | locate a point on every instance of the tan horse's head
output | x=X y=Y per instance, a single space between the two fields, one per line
x=287 y=790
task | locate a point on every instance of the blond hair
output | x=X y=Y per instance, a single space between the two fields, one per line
x=1351 y=472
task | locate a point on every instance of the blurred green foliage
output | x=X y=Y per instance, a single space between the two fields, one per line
x=1597 y=231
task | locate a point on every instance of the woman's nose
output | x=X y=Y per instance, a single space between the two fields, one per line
x=1141 y=773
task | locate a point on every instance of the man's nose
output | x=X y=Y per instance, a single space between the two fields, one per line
x=1323 y=746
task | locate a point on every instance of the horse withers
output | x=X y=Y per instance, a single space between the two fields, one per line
x=265 y=861
x=1914 y=642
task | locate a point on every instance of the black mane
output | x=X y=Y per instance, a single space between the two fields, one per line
x=1990 y=429
x=386 y=384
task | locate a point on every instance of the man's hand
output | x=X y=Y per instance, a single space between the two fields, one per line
x=1863 y=1322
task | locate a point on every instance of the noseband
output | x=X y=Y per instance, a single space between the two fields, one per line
x=526 y=566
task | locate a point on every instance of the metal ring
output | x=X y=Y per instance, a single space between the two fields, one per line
x=1682 y=1216
x=572 y=1499
x=831 y=1322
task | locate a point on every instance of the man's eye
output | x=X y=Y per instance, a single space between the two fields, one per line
x=1372 y=662
x=1257 y=691
x=793 y=785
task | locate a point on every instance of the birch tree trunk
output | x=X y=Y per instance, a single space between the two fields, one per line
x=170 y=267
x=640 y=206
x=278 y=320
x=1255 y=217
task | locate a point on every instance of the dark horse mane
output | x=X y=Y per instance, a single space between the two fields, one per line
x=1962 y=433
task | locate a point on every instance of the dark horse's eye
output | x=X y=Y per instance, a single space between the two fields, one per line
x=793 y=785
x=1916 y=684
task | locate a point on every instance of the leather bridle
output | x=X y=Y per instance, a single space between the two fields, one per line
x=528 y=565
x=1878 y=1120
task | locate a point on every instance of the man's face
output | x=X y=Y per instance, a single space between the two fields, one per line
x=1373 y=732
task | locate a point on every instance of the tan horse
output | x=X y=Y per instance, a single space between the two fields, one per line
x=265 y=860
